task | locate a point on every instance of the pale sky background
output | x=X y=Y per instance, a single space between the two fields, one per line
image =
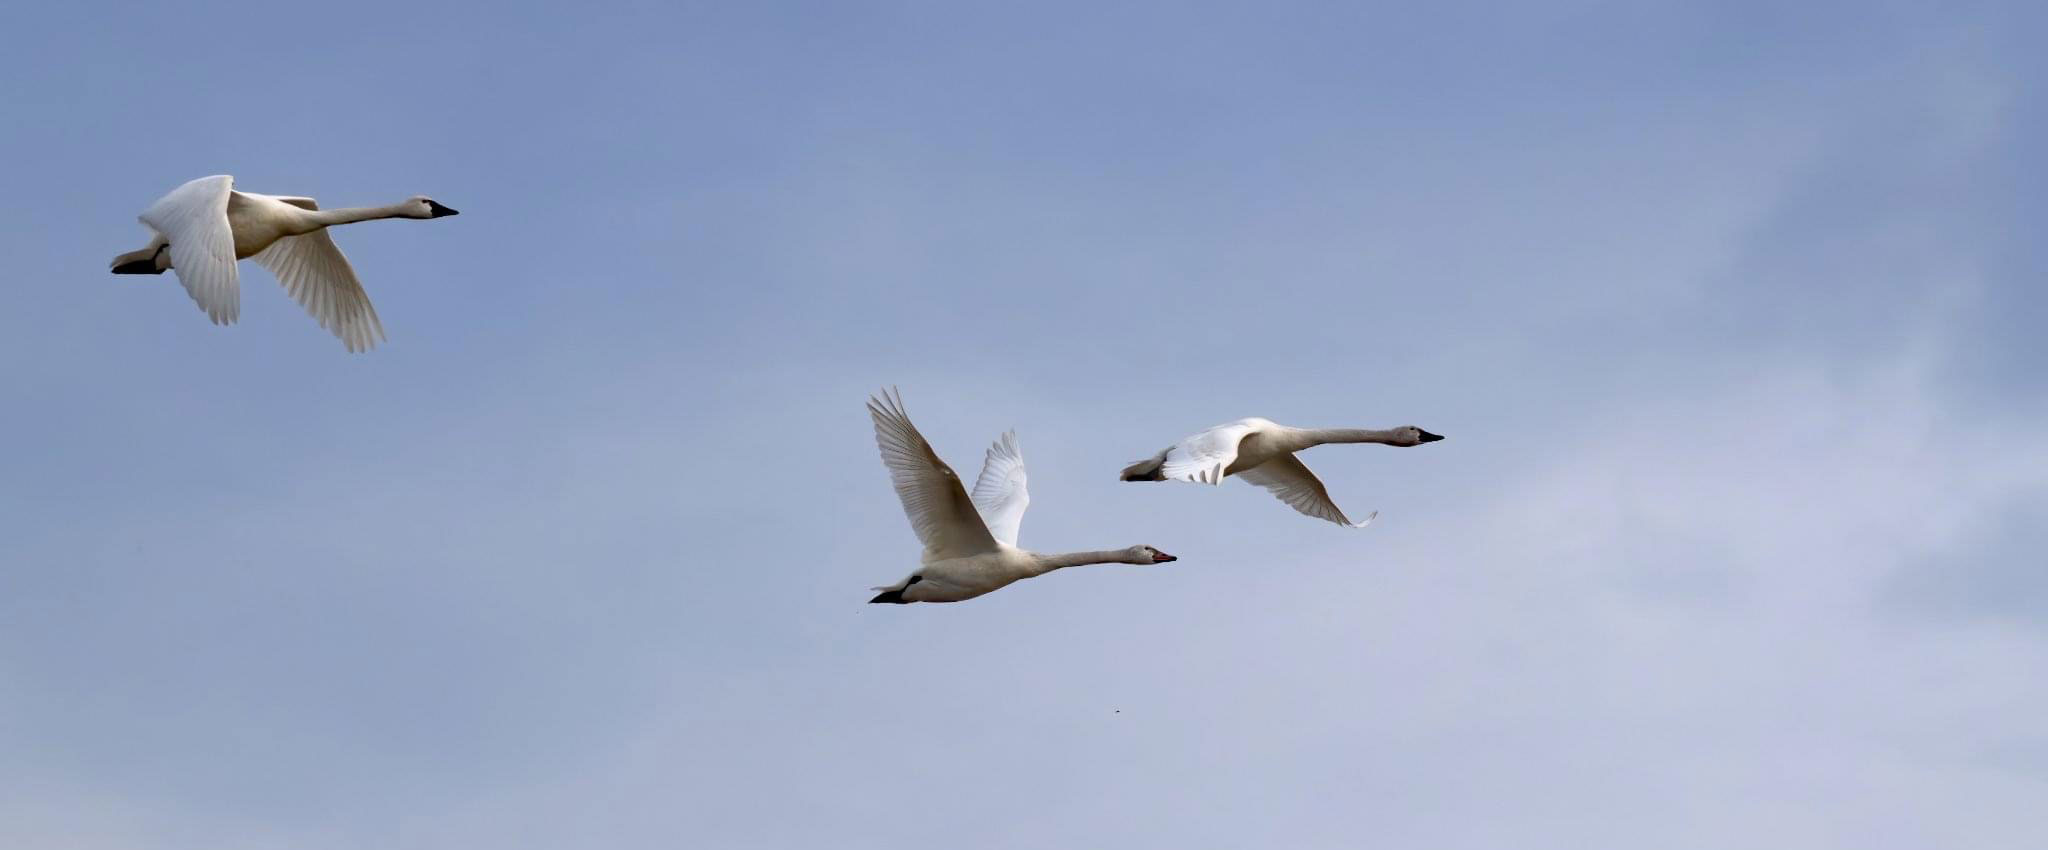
x=1732 y=314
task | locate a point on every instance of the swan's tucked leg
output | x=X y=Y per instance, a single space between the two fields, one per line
x=151 y=260
x=1145 y=470
x=893 y=594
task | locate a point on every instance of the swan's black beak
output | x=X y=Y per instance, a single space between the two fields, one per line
x=1163 y=558
x=435 y=210
x=1429 y=437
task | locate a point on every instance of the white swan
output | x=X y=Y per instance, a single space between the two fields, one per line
x=203 y=227
x=970 y=544
x=1261 y=451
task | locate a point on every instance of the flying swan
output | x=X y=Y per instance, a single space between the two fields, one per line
x=201 y=228
x=1261 y=451
x=970 y=544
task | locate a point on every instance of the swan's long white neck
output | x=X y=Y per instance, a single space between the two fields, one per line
x=1296 y=439
x=351 y=215
x=1047 y=563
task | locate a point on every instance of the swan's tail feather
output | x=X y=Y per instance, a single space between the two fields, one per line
x=1145 y=470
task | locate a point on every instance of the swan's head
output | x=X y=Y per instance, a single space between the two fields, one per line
x=1146 y=555
x=1409 y=435
x=421 y=206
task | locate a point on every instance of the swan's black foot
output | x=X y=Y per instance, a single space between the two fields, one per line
x=1145 y=470
x=138 y=267
x=895 y=597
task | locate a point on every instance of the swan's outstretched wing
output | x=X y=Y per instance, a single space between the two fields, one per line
x=1289 y=479
x=1202 y=458
x=194 y=219
x=999 y=493
x=933 y=498
x=313 y=269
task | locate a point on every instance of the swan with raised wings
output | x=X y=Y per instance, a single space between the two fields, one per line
x=970 y=542
x=1261 y=451
x=201 y=228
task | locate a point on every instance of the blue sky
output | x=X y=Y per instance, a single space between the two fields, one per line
x=1730 y=312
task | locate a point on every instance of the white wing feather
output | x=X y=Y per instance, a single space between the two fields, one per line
x=1202 y=458
x=1287 y=478
x=318 y=276
x=1000 y=493
x=938 y=507
x=194 y=219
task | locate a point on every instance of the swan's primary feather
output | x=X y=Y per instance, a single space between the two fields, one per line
x=938 y=506
x=1000 y=493
x=194 y=219
x=1287 y=478
x=318 y=276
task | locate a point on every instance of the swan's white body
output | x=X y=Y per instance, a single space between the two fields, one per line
x=957 y=579
x=1261 y=451
x=201 y=228
x=970 y=542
